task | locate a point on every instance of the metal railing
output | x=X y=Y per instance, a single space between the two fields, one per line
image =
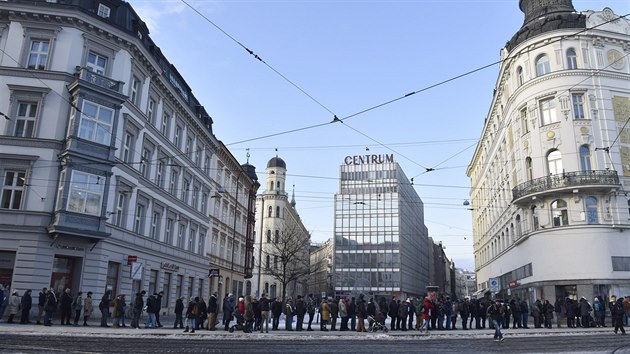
x=99 y=80
x=566 y=180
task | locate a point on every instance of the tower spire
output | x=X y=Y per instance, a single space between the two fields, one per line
x=293 y=197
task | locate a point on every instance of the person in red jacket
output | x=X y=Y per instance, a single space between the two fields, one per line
x=427 y=307
x=241 y=305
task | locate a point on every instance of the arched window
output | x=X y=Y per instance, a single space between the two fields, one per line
x=277 y=211
x=554 y=162
x=268 y=262
x=559 y=213
x=518 y=231
x=571 y=59
x=272 y=291
x=278 y=185
x=277 y=237
x=271 y=185
x=248 y=287
x=585 y=158
x=519 y=76
x=528 y=168
x=270 y=211
x=542 y=65
x=266 y=288
x=268 y=236
x=535 y=218
x=592 y=215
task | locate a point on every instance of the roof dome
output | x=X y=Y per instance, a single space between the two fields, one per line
x=276 y=162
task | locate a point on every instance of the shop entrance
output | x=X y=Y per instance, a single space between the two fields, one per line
x=7 y=262
x=64 y=274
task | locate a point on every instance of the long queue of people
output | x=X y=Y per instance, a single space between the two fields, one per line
x=248 y=313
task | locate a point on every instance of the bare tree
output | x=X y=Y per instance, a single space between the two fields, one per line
x=289 y=256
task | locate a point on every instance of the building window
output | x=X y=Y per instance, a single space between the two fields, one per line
x=177 y=139
x=585 y=158
x=276 y=238
x=213 y=247
x=548 y=111
x=185 y=189
x=96 y=123
x=519 y=76
x=204 y=203
x=535 y=223
x=113 y=269
x=268 y=262
x=38 y=54
x=153 y=277
x=145 y=162
x=592 y=210
x=166 y=123
x=134 y=95
x=173 y=183
x=275 y=262
x=138 y=224
x=559 y=213
x=206 y=164
x=554 y=162
x=201 y=246
x=523 y=116
x=86 y=193
x=268 y=236
x=191 y=240
x=103 y=11
x=25 y=119
x=277 y=211
x=528 y=168
x=13 y=189
x=159 y=173
x=121 y=209
x=180 y=235
x=542 y=65
x=578 y=106
x=96 y=62
x=168 y=231
x=155 y=225
x=189 y=146
x=127 y=147
x=270 y=211
x=571 y=59
x=151 y=111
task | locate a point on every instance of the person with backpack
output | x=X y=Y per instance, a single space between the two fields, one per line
x=495 y=312
x=599 y=312
x=191 y=315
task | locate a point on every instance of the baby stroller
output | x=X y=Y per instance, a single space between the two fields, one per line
x=240 y=323
x=376 y=325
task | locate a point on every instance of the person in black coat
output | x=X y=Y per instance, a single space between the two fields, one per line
x=276 y=311
x=27 y=303
x=179 y=311
x=40 y=305
x=65 y=305
x=138 y=306
x=393 y=312
x=159 y=307
x=50 y=307
x=104 y=307
x=212 y=312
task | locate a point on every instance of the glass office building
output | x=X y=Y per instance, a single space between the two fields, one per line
x=381 y=242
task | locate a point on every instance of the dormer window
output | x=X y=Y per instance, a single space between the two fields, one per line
x=103 y=11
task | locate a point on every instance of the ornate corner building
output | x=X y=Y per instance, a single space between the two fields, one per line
x=549 y=174
x=111 y=175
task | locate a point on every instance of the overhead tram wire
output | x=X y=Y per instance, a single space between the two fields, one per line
x=257 y=57
x=336 y=119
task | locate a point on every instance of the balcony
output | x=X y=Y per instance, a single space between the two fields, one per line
x=591 y=180
x=101 y=81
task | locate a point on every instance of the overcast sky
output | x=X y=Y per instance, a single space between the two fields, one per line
x=326 y=58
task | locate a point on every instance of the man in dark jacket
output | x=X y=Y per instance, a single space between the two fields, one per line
x=212 y=312
x=50 y=307
x=65 y=305
x=40 y=305
x=300 y=311
x=495 y=312
x=276 y=311
x=464 y=312
x=333 y=307
x=310 y=308
x=27 y=303
x=361 y=313
x=264 y=313
x=179 y=311
x=138 y=305
x=393 y=312
x=158 y=308
x=352 y=313
x=104 y=307
x=524 y=313
x=228 y=310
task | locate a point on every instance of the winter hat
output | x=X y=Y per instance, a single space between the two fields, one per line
x=596 y=300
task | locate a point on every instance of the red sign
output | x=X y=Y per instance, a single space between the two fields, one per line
x=131 y=259
x=513 y=284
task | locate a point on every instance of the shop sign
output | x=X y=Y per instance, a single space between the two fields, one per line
x=170 y=266
x=136 y=271
x=514 y=284
x=214 y=273
x=63 y=246
x=131 y=259
x=369 y=159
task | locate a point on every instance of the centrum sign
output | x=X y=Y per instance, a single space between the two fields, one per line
x=369 y=159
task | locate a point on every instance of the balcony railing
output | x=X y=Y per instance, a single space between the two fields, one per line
x=99 y=80
x=566 y=180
